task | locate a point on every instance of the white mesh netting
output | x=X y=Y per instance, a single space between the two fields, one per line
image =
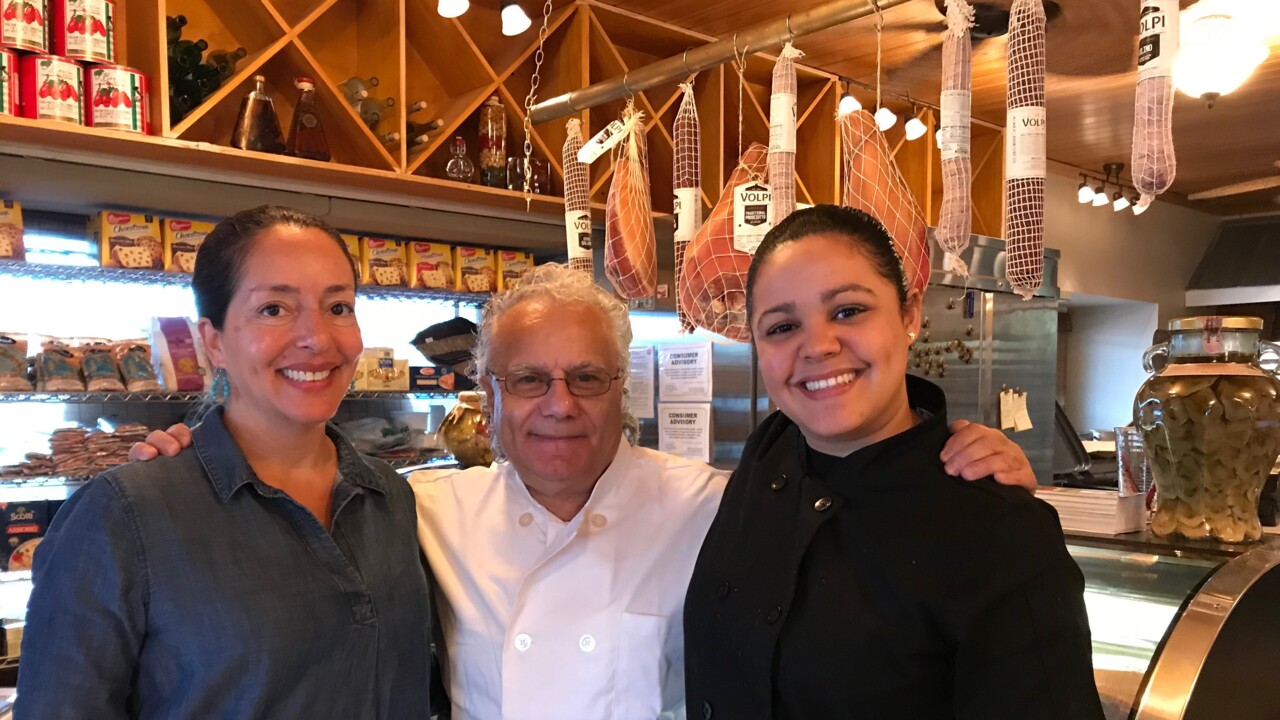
x=874 y=185
x=577 y=201
x=714 y=273
x=955 y=218
x=688 y=190
x=782 y=134
x=1154 y=165
x=1024 y=160
x=630 y=248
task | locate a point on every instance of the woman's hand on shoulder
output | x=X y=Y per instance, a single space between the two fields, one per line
x=977 y=451
x=161 y=442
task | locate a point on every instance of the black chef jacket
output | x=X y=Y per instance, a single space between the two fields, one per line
x=877 y=586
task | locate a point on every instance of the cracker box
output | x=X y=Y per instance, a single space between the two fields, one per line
x=512 y=265
x=182 y=240
x=24 y=524
x=474 y=270
x=381 y=262
x=11 y=247
x=431 y=266
x=379 y=370
x=128 y=240
x=352 y=243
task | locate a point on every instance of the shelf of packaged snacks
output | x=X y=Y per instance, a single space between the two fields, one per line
x=80 y=273
x=188 y=397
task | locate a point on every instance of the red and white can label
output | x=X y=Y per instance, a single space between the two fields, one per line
x=8 y=82
x=22 y=24
x=116 y=98
x=52 y=88
x=84 y=29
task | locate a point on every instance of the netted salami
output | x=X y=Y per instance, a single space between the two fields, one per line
x=714 y=273
x=955 y=218
x=1024 y=149
x=874 y=185
x=630 y=248
x=782 y=134
x=577 y=201
x=1154 y=165
x=688 y=190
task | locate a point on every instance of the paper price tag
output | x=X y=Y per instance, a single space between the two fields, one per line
x=1007 y=409
x=687 y=205
x=752 y=215
x=954 y=131
x=782 y=123
x=1021 y=418
x=602 y=142
x=1157 y=38
x=1024 y=144
x=577 y=226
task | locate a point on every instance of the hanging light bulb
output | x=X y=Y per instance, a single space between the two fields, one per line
x=514 y=21
x=1217 y=55
x=914 y=128
x=1100 y=196
x=452 y=8
x=885 y=119
x=1084 y=193
x=848 y=103
x=1140 y=206
x=1119 y=201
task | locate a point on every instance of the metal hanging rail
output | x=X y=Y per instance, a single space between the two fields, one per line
x=758 y=38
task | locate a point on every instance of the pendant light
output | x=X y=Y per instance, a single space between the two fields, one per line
x=1119 y=201
x=914 y=128
x=885 y=119
x=1084 y=193
x=514 y=19
x=452 y=8
x=1218 y=53
x=1100 y=196
x=848 y=103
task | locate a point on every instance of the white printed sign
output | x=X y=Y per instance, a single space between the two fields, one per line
x=1024 y=144
x=640 y=382
x=684 y=429
x=752 y=215
x=684 y=372
x=1157 y=38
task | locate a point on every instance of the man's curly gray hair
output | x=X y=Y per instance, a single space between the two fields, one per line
x=556 y=282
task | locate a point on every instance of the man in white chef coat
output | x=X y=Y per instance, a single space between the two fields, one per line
x=561 y=570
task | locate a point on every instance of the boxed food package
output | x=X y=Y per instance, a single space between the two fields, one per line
x=182 y=239
x=437 y=378
x=431 y=266
x=512 y=265
x=11 y=247
x=128 y=240
x=352 y=243
x=24 y=525
x=474 y=270
x=381 y=262
x=178 y=355
x=379 y=370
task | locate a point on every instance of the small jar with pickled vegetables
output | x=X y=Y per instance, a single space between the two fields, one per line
x=1210 y=424
x=466 y=433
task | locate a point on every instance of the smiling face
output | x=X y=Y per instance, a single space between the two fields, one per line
x=559 y=443
x=832 y=338
x=290 y=341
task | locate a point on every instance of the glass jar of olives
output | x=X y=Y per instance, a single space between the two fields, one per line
x=466 y=433
x=1210 y=424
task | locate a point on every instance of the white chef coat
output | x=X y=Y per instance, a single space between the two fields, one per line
x=582 y=620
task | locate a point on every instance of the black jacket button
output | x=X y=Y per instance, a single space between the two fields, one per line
x=722 y=592
x=774 y=615
x=778 y=483
x=706 y=710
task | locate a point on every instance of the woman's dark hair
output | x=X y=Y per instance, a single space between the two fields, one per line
x=221 y=257
x=863 y=231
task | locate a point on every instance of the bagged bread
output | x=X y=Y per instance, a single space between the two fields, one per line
x=13 y=363
x=58 y=368
x=101 y=372
x=134 y=359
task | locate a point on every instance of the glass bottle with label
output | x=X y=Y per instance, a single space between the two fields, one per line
x=357 y=88
x=258 y=127
x=493 y=143
x=306 y=135
x=460 y=167
x=225 y=61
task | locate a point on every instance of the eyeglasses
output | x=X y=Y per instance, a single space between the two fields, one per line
x=582 y=383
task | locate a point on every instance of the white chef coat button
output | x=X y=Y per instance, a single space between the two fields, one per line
x=586 y=643
x=526 y=520
x=599 y=521
x=523 y=642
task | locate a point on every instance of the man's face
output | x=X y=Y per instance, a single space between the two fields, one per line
x=559 y=443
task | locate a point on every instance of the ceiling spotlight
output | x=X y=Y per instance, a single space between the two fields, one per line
x=514 y=21
x=452 y=8
x=848 y=103
x=1100 y=196
x=1140 y=205
x=1084 y=193
x=885 y=119
x=1119 y=201
x=915 y=129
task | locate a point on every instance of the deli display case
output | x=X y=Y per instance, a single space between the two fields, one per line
x=1182 y=629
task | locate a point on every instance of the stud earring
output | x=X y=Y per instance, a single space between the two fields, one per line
x=912 y=335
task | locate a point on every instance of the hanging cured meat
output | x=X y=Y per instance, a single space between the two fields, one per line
x=1024 y=149
x=874 y=185
x=688 y=190
x=782 y=134
x=1154 y=165
x=577 y=202
x=630 y=249
x=713 y=277
x=955 y=219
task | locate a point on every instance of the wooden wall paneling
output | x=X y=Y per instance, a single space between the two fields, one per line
x=915 y=161
x=559 y=75
x=483 y=24
x=140 y=30
x=294 y=12
x=987 y=158
x=817 y=149
x=708 y=94
x=515 y=128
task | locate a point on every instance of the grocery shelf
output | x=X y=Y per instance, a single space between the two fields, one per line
x=78 y=273
x=188 y=397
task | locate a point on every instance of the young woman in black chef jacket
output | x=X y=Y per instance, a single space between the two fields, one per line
x=846 y=575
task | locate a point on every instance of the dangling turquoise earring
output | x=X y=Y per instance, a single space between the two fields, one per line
x=220 y=390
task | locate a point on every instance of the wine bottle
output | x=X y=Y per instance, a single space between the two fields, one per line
x=390 y=138
x=306 y=135
x=418 y=132
x=180 y=102
x=185 y=55
x=357 y=88
x=257 y=127
x=173 y=27
x=371 y=111
x=225 y=61
x=207 y=78
x=416 y=107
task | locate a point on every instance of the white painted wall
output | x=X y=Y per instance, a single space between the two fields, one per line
x=1104 y=360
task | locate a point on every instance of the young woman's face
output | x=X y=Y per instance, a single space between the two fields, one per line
x=833 y=340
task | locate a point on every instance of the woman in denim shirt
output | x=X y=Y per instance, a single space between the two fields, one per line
x=269 y=571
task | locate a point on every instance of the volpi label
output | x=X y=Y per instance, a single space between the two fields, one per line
x=602 y=141
x=687 y=205
x=1024 y=143
x=752 y=215
x=577 y=227
x=1157 y=38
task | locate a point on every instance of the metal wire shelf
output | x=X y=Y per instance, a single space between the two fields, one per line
x=77 y=273
x=188 y=397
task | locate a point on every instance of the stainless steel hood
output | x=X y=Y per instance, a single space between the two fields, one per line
x=1242 y=265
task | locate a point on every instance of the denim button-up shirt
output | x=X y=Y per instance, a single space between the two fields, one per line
x=187 y=588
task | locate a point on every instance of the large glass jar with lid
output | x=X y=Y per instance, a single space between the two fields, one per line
x=465 y=431
x=1210 y=424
